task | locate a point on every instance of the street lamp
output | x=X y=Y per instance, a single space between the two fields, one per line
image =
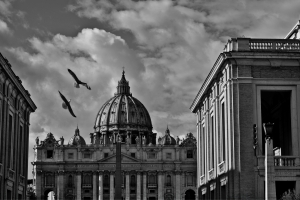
x=268 y=128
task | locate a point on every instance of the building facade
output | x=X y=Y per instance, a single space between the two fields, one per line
x=254 y=81
x=152 y=168
x=15 y=108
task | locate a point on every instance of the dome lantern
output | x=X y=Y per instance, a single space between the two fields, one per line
x=123 y=85
x=76 y=139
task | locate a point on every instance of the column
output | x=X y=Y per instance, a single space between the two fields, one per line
x=60 y=185
x=160 y=185
x=94 y=185
x=138 y=186
x=177 y=185
x=78 y=194
x=144 y=185
x=269 y=171
x=127 y=186
x=38 y=184
x=100 y=185
x=111 y=186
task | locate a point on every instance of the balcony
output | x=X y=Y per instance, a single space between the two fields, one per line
x=281 y=161
x=11 y=174
x=202 y=179
x=152 y=185
x=86 y=185
x=221 y=167
x=247 y=44
x=22 y=180
x=211 y=174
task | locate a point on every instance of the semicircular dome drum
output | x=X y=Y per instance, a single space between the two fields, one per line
x=125 y=115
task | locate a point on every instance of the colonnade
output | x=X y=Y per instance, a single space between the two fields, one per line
x=98 y=186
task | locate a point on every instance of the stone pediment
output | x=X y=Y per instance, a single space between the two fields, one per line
x=125 y=159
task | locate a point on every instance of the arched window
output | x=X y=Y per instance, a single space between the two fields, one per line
x=168 y=182
x=132 y=181
x=70 y=181
x=49 y=180
x=152 y=179
x=106 y=181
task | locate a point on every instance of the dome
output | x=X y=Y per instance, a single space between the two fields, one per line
x=77 y=139
x=123 y=112
x=167 y=139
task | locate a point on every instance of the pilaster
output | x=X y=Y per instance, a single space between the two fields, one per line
x=160 y=185
x=127 y=186
x=100 y=185
x=60 y=185
x=177 y=185
x=78 y=194
x=94 y=185
x=111 y=186
x=144 y=185
x=138 y=189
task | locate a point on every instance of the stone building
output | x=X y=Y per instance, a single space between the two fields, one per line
x=153 y=168
x=15 y=108
x=254 y=81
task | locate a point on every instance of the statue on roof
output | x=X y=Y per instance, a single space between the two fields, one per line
x=37 y=141
x=62 y=141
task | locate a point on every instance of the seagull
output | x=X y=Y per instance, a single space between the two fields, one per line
x=66 y=104
x=78 y=82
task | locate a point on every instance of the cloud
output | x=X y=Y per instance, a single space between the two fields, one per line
x=5 y=8
x=4 y=28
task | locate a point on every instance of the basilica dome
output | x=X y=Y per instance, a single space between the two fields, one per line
x=77 y=139
x=123 y=112
x=167 y=139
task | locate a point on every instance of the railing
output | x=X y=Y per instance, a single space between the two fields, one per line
x=202 y=179
x=152 y=185
x=21 y=180
x=221 y=167
x=248 y=44
x=284 y=161
x=86 y=185
x=211 y=174
x=11 y=174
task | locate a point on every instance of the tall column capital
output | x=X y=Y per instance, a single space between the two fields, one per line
x=95 y=172
x=178 y=172
x=139 y=172
x=160 y=172
x=100 y=172
x=60 y=172
x=78 y=172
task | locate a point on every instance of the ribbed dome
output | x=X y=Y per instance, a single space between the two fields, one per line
x=167 y=139
x=123 y=111
x=77 y=139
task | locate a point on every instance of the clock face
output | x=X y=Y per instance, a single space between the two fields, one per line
x=97 y=129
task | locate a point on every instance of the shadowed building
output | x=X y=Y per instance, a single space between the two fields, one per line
x=152 y=168
x=15 y=108
x=254 y=81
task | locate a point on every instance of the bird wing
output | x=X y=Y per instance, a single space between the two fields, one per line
x=74 y=76
x=67 y=103
x=63 y=98
x=70 y=110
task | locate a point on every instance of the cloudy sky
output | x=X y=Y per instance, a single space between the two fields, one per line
x=167 y=48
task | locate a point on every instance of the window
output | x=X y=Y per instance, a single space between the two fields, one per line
x=21 y=150
x=87 y=155
x=49 y=153
x=211 y=144
x=151 y=155
x=189 y=154
x=106 y=181
x=10 y=149
x=132 y=155
x=202 y=142
x=168 y=181
x=70 y=181
x=151 y=191
x=105 y=155
x=169 y=156
x=222 y=135
x=189 y=179
x=132 y=181
x=49 y=180
x=152 y=179
x=276 y=108
x=70 y=155
x=87 y=179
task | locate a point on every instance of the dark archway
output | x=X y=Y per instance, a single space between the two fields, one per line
x=190 y=195
x=49 y=194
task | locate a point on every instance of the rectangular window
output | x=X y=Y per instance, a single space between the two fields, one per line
x=49 y=153
x=21 y=150
x=189 y=154
x=10 y=149
x=151 y=155
x=105 y=155
x=276 y=108
x=87 y=155
x=151 y=191
x=223 y=143
x=132 y=155
x=70 y=155
x=202 y=150
x=168 y=155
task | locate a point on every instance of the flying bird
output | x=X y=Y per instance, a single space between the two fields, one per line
x=78 y=82
x=66 y=104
